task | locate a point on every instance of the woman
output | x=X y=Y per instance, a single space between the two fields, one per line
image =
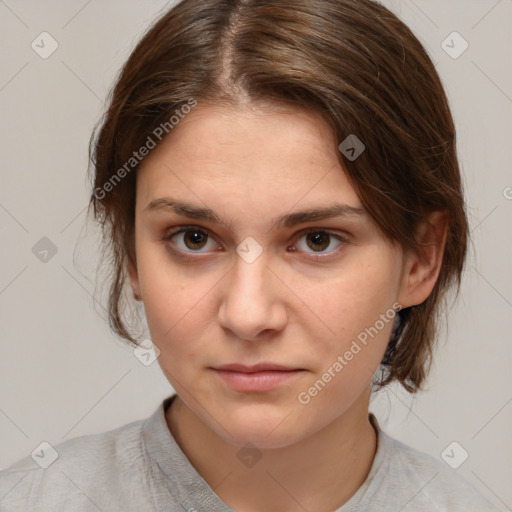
x=277 y=184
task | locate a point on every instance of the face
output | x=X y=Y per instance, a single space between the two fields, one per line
x=270 y=323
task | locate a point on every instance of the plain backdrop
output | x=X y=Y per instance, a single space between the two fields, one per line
x=63 y=374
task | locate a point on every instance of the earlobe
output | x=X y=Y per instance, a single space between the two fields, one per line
x=134 y=282
x=422 y=265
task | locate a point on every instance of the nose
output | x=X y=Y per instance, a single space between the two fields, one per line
x=253 y=300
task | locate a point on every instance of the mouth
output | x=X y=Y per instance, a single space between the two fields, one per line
x=256 y=378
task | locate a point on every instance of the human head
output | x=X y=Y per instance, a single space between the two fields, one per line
x=353 y=63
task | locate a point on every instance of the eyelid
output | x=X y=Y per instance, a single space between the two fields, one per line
x=341 y=235
x=178 y=229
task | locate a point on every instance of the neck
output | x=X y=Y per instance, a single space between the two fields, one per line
x=321 y=472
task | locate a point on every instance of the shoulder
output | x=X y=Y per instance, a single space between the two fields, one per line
x=74 y=474
x=426 y=483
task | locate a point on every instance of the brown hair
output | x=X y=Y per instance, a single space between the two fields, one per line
x=352 y=61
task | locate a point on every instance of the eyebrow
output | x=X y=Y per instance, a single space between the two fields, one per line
x=288 y=220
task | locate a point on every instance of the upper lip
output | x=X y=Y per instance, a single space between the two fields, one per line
x=260 y=367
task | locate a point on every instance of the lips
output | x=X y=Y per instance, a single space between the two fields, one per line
x=260 y=367
x=256 y=378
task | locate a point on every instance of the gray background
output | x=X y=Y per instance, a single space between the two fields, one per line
x=61 y=372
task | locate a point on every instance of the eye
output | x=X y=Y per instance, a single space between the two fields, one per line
x=319 y=240
x=190 y=239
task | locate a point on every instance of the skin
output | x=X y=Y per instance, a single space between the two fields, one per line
x=298 y=305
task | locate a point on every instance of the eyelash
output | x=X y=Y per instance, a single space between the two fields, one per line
x=187 y=254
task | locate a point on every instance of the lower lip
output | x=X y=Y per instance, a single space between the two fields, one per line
x=257 y=381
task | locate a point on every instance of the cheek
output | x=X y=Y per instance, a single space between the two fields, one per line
x=358 y=309
x=176 y=303
x=358 y=298
x=345 y=363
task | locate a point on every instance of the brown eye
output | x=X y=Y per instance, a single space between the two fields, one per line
x=195 y=239
x=190 y=239
x=317 y=241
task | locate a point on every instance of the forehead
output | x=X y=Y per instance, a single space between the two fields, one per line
x=266 y=157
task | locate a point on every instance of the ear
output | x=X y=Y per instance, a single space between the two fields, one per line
x=134 y=281
x=423 y=264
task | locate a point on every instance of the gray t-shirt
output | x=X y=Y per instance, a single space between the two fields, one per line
x=140 y=467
